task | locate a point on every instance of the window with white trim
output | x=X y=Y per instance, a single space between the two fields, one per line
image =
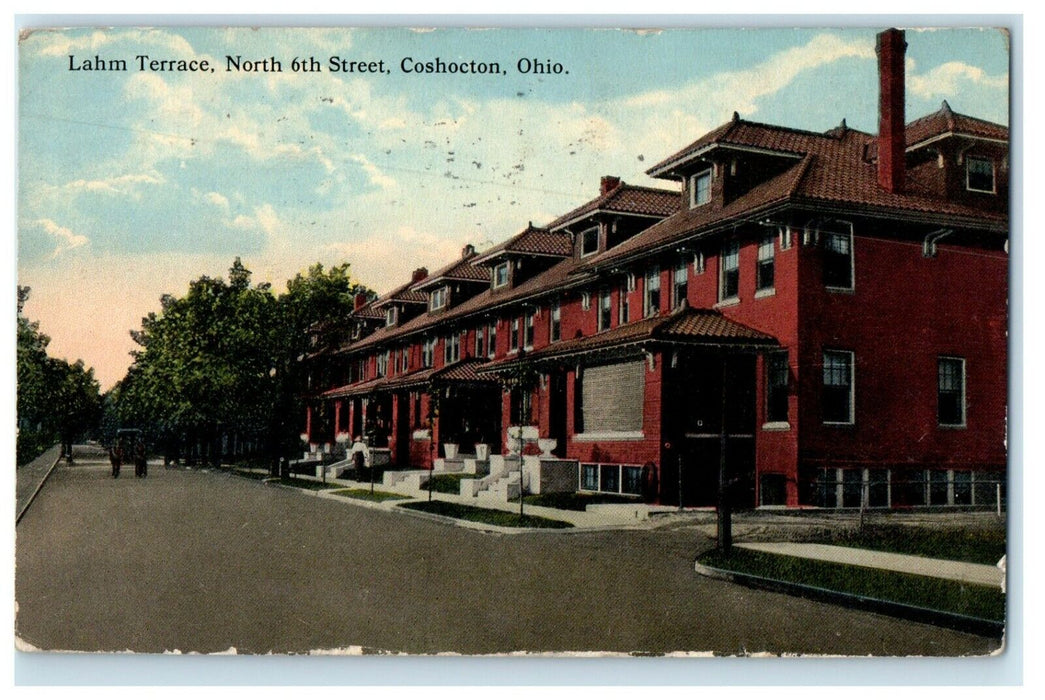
x=428 y=352
x=611 y=478
x=785 y=238
x=679 y=284
x=390 y=316
x=838 y=260
x=624 y=309
x=437 y=299
x=612 y=398
x=513 y=339
x=699 y=263
x=700 y=188
x=605 y=309
x=585 y=301
x=528 y=324
x=382 y=363
x=729 y=276
x=452 y=348
x=500 y=275
x=480 y=341
x=979 y=174
x=764 y=271
x=589 y=241
x=555 y=322
x=651 y=292
x=837 y=398
x=950 y=391
x=491 y=339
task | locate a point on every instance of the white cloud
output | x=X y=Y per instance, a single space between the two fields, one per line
x=65 y=238
x=947 y=79
x=217 y=199
x=118 y=185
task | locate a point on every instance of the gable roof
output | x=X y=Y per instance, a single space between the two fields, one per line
x=624 y=199
x=533 y=240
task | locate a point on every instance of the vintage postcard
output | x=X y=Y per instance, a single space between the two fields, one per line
x=513 y=341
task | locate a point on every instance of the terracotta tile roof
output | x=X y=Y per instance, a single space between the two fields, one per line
x=532 y=241
x=834 y=170
x=625 y=199
x=402 y=293
x=356 y=389
x=945 y=120
x=559 y=276
x=415 y=378
x=368 y=311
x=685 y=325
x=462 y=269
x=466 y=370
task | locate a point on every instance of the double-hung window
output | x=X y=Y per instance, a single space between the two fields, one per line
x=651 y=296
x=979 y=175
x=624 y=310
x=428 y=352
x=950 y=391
x=605 y=309
x=555 y=322
x=679 y=284
x=764 y=273
x=500 y=275
x=838 y=391
x=590 y=241
x=528 y=330
x=729 y=278
x=480 y=341
x=438 y=299
x=838 y=260
x=700 y=189
x=513 y=339
x=452 y=348
x=491 y=339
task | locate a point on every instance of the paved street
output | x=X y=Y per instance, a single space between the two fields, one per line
x=206 y=561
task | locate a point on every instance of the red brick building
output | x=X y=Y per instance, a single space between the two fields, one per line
x=823 y=315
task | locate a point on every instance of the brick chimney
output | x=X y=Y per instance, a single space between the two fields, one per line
x=359 y=302
x=891 y=49
x=468 y=251
x=608 y=184
x=418 y=275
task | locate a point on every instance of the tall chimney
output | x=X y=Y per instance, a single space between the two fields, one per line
x=360 y=301
x=419 y=274
x=608 y=184
x=891 y=49
x=468 y=251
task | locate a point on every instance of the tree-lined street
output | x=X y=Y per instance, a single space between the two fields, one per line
x=205 y=561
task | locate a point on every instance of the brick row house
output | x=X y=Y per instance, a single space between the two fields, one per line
x=820 y=317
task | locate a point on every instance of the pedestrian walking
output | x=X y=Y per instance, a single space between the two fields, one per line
x=141 y=466
x=115 y=459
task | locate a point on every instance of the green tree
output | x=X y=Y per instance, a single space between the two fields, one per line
x=224 y=361
x=57 y=401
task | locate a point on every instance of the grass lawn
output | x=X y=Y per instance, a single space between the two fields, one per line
x=257 y=476
x=448 y=483
x=366 y=495
x=978 y=545
x=575 y=501
x=484 y=515
x=983 y=602
x=305 y=484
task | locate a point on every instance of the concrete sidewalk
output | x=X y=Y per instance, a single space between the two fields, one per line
x=978 y=574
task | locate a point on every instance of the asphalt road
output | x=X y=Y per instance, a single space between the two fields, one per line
x=206 y=561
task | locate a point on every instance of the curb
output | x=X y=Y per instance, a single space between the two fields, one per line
x=39 y=488
x=939 y=618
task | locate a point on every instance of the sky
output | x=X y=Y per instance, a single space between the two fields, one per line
x=133 y=183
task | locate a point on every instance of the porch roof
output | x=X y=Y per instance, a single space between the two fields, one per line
x=356 y=389
x=684 y=326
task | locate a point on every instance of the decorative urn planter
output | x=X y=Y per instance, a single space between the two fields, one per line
x=450 y=449
x=546 y=445
x=482 y=451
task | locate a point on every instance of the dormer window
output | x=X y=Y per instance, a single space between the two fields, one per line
x=979 y=175
x=500 y=275
x=700 y=188
x=590 y=241
x=390 y=316
x=438 y=299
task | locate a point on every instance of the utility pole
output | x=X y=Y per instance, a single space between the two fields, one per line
x=725 y=525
